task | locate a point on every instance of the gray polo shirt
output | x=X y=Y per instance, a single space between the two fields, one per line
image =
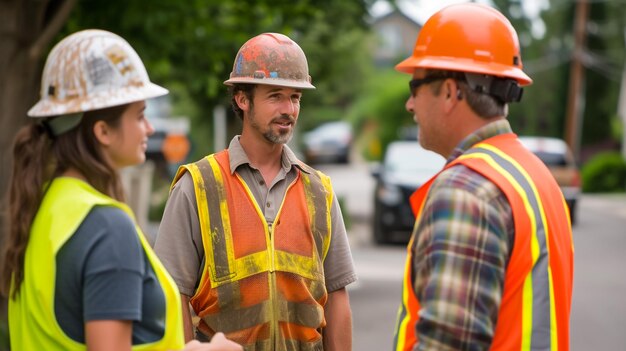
x=179 y=241
x=103 y=273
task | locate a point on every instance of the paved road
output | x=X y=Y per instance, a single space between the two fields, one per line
x=599 y=301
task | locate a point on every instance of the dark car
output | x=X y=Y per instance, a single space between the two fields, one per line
x=558 y=157
x=328 y=142
x=405 y=167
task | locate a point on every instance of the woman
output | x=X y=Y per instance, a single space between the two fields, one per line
x=77 y=269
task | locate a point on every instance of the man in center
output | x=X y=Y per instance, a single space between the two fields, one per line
x=254 y=237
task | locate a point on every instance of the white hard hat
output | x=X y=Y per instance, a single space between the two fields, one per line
x=90 y=70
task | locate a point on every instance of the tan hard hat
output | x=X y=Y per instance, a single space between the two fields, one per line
x=271 y=59
x=90 y=70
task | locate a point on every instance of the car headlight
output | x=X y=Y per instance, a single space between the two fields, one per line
x=390 y=194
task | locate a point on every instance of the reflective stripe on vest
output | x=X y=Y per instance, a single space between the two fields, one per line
x=32 y=318
x=261 y=285
x=534 y=312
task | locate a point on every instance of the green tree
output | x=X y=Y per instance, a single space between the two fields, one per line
x=27 y=28
x=187 y=46
x=383 y=110
x=545 y=43
x=604 y=59
x=547 y=60
x=191 y=45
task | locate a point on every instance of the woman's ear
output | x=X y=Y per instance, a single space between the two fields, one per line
x=102 y=132
x=242 y=101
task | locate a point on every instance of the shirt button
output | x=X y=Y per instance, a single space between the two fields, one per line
x=262 y=182
x=268 y=204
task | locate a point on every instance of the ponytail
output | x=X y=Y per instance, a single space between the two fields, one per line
x=37 y=159
x=32 y=167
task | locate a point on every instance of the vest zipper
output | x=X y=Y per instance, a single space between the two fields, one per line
x=273 y=298
x=274 y=327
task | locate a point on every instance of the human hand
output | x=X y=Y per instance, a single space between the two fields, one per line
x=218 y=343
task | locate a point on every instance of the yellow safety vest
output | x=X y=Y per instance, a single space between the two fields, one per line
x=33 y=324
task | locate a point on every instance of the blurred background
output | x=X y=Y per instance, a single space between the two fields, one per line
x=573 y=50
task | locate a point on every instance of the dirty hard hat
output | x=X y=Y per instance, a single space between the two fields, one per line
x=469 y=38
x=271 y=59
x=91 y=70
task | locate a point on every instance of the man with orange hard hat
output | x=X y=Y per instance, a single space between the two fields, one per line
x=254 y=237
x=490 y=261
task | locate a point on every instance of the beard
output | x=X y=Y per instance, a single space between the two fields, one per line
x=275 y=137
x=278 y=138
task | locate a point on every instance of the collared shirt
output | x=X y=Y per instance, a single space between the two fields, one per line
x=269 y=197
x=463 y=242
x=179 y=241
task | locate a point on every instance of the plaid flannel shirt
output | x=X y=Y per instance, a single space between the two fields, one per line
x=460 y=254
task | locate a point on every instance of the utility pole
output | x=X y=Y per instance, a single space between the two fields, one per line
x=621 y=105
x=575 y=100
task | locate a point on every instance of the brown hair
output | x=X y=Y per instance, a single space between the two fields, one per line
x=39 y=157
x=247 y=89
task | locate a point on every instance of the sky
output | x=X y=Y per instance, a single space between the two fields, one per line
x=421 y=10
x=418 y=10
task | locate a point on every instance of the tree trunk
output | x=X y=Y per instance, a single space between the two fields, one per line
x=26 y=30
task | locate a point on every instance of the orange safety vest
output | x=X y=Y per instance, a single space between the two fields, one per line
x=263 y=286
x=535 y=308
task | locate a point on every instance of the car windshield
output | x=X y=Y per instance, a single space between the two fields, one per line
x=411 y=158
x=553 y=152
x=340 y=131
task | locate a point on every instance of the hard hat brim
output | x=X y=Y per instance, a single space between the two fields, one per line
x=270 y=81
x=455 y=64
x=119 y=96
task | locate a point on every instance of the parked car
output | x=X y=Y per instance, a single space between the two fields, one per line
x=405 y=167
x=328 y=142
x=558 y=157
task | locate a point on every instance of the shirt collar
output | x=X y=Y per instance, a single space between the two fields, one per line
x=500 y=126
x=237 y=157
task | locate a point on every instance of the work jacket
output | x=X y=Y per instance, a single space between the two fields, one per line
x=262 y=285
x=535 y=308
x=33 y=323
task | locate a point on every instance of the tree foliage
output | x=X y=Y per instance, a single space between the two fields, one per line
x=547 y=59
x=26 y=29
x=547 y=46
x=189 y=46
x=382 y=108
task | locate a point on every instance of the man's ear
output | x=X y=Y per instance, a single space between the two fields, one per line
x=102 y=131
x=242 y=101
x=451 y=90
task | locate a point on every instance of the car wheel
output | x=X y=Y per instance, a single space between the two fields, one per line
x=309 y=160
x=380 y=232
x=572 y=211
x=345 y=158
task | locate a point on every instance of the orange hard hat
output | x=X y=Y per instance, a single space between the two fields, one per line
x=272 y=59
x=471 y=38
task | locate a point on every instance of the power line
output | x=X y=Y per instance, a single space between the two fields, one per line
x=600 y=64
